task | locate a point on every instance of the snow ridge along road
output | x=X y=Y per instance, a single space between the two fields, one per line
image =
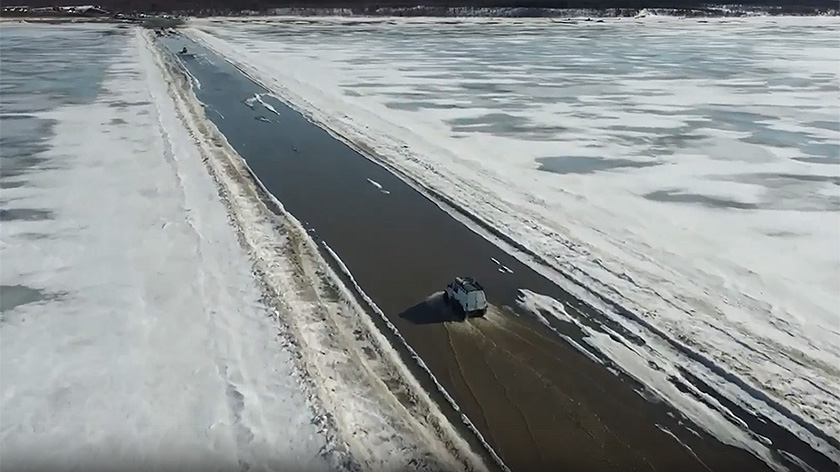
x=383 y=419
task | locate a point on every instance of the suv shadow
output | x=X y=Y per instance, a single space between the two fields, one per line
x=432 y=310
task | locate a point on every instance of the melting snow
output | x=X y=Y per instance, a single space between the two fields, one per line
x=160 y=348
x=267 y=106
x=378 y=186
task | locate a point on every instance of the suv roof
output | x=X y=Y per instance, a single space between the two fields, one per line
x=469 y=284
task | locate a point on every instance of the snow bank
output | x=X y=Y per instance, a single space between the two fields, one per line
x=154 y=348
x=716 y=228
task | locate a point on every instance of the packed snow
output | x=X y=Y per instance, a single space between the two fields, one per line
x=185 y=323
x=684 y=169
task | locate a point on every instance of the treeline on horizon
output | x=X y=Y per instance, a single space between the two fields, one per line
x=372 y=5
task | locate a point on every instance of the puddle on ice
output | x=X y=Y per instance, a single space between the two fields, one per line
x=505 y=124
x=12 y=296
x=25 y=214
x=820 y=160
x=705 y=200
x=586 y=164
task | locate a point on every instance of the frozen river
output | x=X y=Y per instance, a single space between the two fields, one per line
x=681 y=177
x=685 y=171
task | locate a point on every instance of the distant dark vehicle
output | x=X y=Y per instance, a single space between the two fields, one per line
x=183 y=51
x=467 y=295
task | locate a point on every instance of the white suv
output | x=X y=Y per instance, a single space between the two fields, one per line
x=468 y=295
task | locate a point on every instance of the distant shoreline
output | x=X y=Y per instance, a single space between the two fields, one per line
x=125 y=13
x=708 y=11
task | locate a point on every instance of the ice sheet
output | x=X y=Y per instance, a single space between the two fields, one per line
x=686 y=170
x=156 y=348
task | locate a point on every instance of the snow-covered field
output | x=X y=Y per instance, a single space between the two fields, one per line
x=687 y=170
x=148 y=322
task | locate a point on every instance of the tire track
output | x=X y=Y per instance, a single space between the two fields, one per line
x=473 y=333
